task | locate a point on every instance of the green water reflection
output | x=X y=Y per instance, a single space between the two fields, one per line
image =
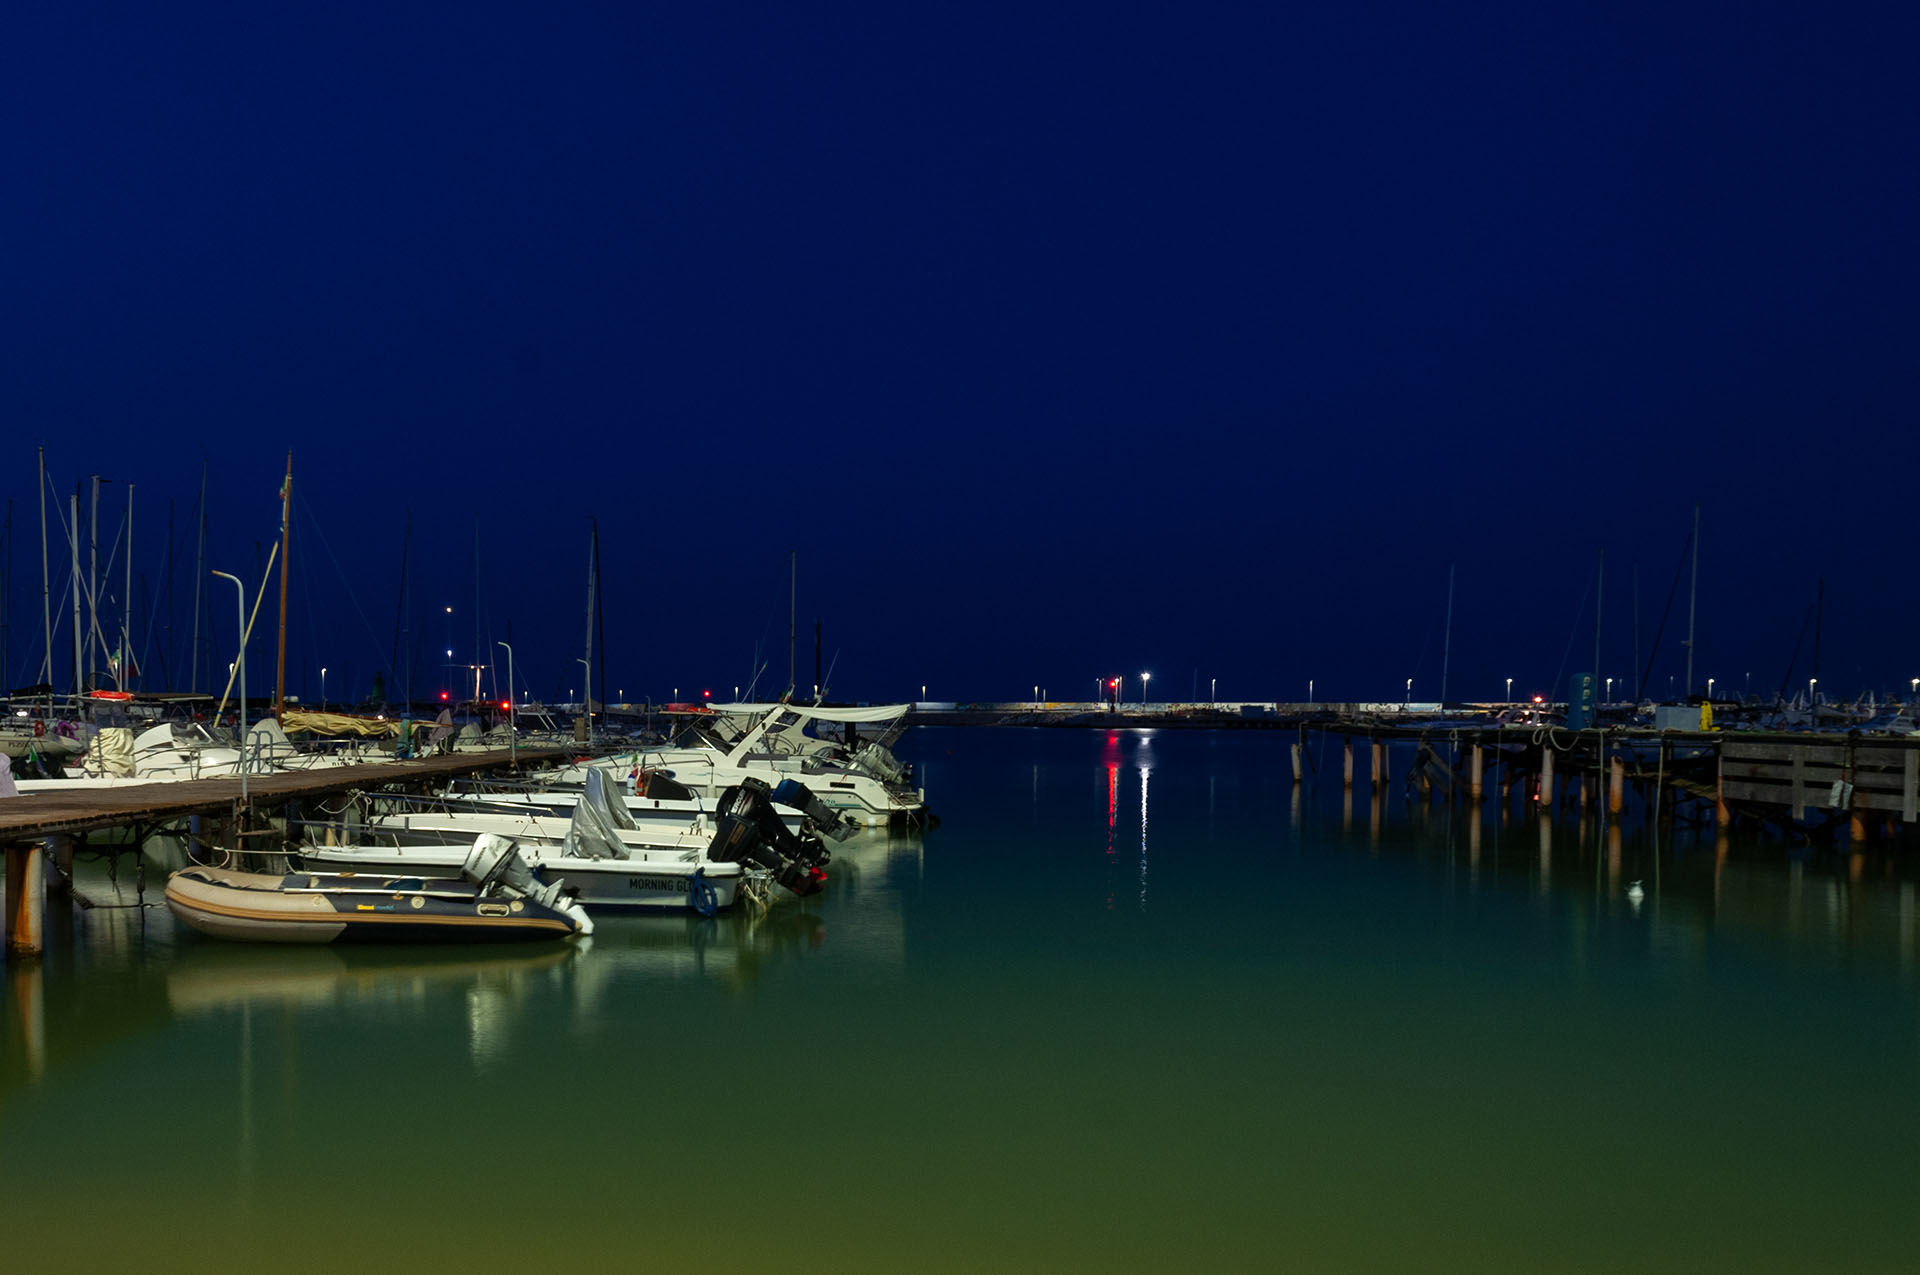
x=1136 y=1005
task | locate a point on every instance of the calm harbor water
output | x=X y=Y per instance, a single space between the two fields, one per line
x=1135 y=1006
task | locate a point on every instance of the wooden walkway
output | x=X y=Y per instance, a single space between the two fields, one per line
x=27 y=819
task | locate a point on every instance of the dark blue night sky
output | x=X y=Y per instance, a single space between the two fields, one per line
x=1059 y=341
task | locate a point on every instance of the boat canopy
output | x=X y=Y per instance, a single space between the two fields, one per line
x=336 y=723
x=879 y=713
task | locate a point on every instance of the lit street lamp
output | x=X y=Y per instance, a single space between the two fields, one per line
x=323 y=688
x=1709 y=690
x=1213 y=686
x=1609 y=698
x=1408 y=702
x=1309 y=690
x=1509 y=690
x=1144 y=679
x=1811 y=683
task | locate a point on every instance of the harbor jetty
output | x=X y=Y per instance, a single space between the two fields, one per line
x=1853 y=784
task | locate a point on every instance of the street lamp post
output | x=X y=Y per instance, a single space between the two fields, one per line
x=1310 y=691
x=1408 y=702
x=1811 y=698
x=1144 y=679
x=513 y=738
x=323 y=688
x=1709 y=690
x=1213 y=689
x=240 y=614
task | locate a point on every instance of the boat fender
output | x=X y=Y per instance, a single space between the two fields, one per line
x=701 y=896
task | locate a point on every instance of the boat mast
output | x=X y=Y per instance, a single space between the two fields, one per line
x=1693 y=593
x=73 y=540
x=793 y=611
x=600 y=610
x=6 y=596
x=1446 y=643
x=286 y=536
x=93 y=582
x=193 y=676
x=126 y=606
x=1599 y=596
x=46 y=580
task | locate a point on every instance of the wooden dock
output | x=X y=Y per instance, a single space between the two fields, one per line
x=29 y=819
x=30 y=823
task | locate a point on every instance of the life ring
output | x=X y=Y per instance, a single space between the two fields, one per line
x=39 y=729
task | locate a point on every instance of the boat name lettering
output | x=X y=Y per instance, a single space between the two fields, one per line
x=658 y=883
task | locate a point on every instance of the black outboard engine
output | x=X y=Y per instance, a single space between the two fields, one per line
x=791 y=792
x=751 y=831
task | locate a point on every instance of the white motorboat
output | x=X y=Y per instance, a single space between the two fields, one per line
x=855 y=775
x=605 y=859
x=653 y=800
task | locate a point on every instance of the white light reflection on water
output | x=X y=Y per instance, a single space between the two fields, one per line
x=1145 y=773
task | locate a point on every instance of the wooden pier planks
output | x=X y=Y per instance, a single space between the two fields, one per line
x=1884 y=774
x=28 y=818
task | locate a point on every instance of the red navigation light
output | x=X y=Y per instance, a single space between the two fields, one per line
x=1538 y=700
x=505 y=705
x=1114 y=682
x=443 y=696
x=706 y=694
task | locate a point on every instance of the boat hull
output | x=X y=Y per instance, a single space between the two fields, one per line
x=635 y=884
x=314 y=908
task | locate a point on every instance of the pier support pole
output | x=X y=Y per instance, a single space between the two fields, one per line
x=1473 y=771
x=26 y=900
x=1721 y=816
x=1615 y=783
x=1296 y=763
x=1346 y=762
x=1546 y=779
x=1378 y=761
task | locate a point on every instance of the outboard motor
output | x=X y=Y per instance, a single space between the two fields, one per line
x=750 y=831
x=791 y=792
x=494 y=863
x=878 y=760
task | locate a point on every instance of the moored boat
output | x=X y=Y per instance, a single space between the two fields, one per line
x=496 y=898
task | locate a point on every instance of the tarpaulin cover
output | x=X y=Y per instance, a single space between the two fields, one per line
x=336 y=724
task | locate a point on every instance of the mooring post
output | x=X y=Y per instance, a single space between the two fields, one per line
x=1546 y=777
x=1615 y=783
x=1296 y=762
x=26 y=899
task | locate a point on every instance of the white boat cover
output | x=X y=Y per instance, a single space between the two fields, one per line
x=593 y=832
x=113 y=751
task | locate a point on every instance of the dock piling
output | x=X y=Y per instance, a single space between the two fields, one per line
x=26 y=899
